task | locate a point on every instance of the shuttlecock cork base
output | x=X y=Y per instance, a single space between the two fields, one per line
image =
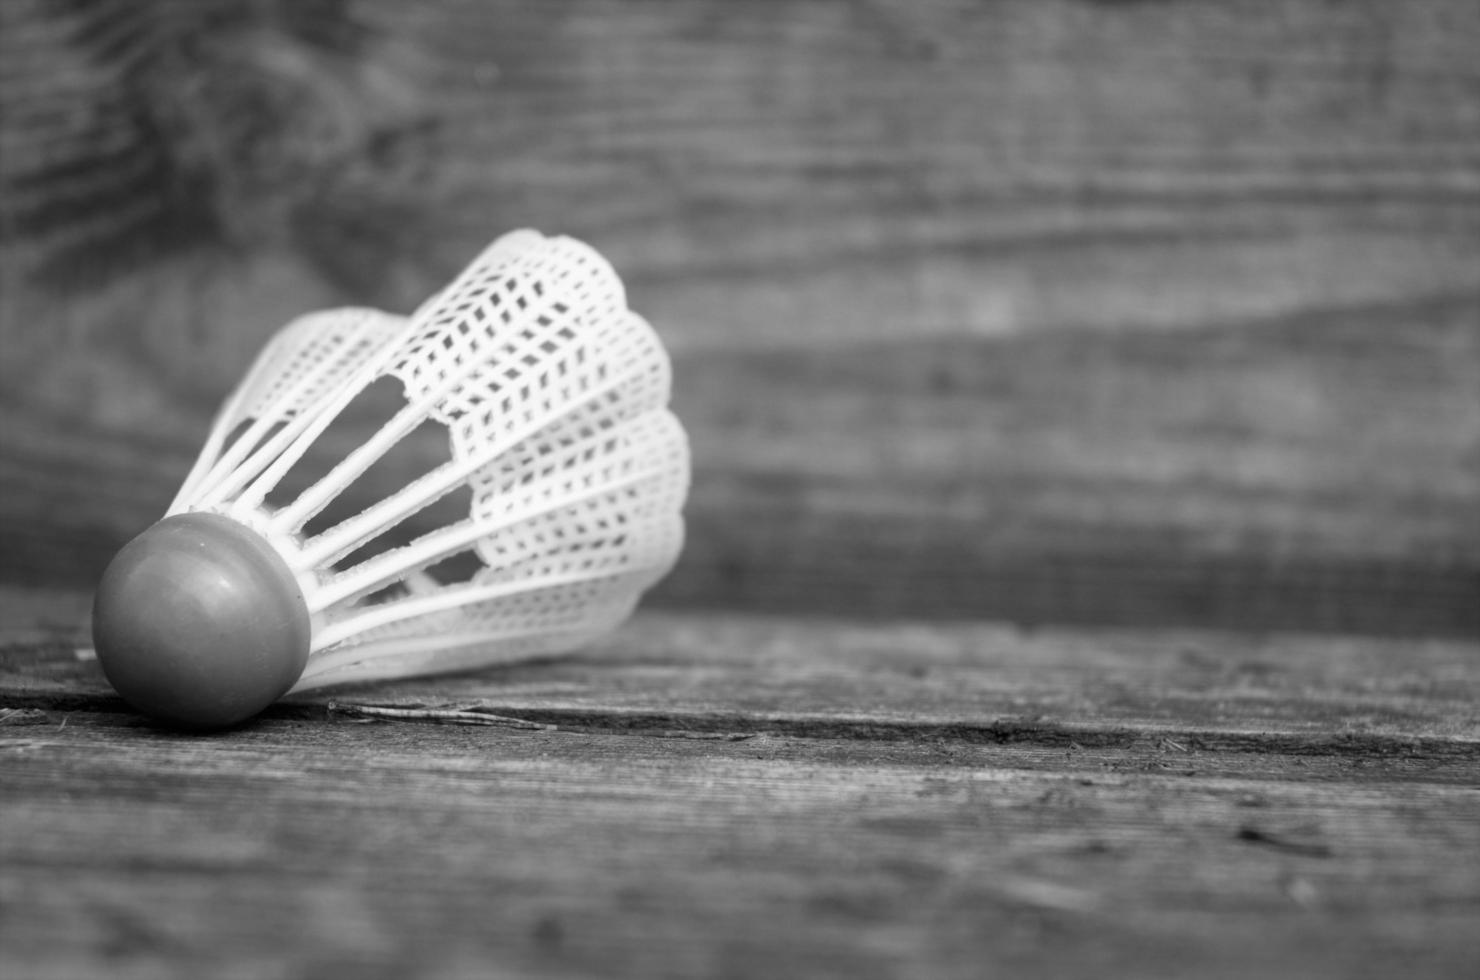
x=553 y=396
x=199 y=623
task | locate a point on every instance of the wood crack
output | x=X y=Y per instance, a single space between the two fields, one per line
x=737 y=726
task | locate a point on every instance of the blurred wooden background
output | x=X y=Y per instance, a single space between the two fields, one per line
x=1061 y=311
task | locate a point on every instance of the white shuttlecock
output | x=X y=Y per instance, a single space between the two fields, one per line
x=554 y=396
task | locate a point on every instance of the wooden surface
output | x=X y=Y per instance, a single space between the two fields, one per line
x=750 y=796
x=1046 y=311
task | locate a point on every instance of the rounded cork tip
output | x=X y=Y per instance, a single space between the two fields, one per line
x=199 y=623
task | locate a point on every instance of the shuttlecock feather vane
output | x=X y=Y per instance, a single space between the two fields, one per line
x=554 y=397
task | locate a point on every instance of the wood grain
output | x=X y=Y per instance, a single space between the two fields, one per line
x=755 y=796
x=1050 y=312
x=977 y=683
x=297 y=849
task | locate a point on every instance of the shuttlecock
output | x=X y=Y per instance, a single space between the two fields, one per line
x=554 y=397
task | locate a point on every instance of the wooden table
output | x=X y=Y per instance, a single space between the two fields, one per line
x=761 y=796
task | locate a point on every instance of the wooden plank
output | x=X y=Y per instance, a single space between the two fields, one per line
x=976 y=682
x=1053 y=312
x=748 y=796
x=301 y=847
